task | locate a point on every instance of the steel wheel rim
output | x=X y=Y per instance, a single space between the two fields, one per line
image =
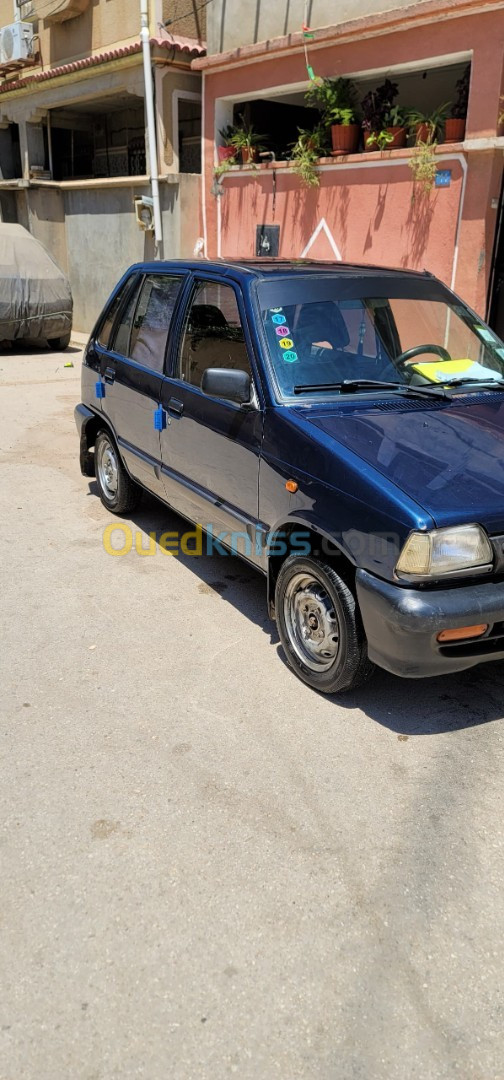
x=311 y=621
x=108 y=469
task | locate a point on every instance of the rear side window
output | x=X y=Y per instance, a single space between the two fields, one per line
x=104 y=333
x=152 y=319
x=123 y=333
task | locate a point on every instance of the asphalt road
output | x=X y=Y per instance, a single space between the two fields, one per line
x=206 y=869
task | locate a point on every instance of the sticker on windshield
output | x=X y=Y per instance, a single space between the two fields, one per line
x=286 y=343
x=282 y=331
x=290 y=357
x=275 y=310
x=278 y=319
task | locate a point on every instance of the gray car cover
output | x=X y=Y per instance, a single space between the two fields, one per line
x=35 y=296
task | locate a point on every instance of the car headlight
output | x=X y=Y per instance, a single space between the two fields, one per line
x=445 y=551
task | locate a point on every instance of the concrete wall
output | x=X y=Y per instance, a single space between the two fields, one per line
x=183 y=20
x=170 y=82
x=242 y=22
x=93 y=235
x=103 y=23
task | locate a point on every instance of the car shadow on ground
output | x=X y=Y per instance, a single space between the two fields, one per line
x=27 y=346
x=410 y=707
x=227 y=575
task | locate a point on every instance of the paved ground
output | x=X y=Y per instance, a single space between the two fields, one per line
x=206 y=869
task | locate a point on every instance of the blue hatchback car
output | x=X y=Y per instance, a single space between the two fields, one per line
x=340 y=427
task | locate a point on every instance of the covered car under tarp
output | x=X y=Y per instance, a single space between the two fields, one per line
x=35 y=295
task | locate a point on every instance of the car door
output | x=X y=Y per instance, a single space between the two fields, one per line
x=132 y=373
x=210 y=447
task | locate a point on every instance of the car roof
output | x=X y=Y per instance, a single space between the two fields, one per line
x=263 y=268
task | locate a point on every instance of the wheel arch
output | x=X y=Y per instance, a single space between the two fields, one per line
x=321 y=544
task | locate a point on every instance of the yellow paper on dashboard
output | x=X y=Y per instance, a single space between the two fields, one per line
x=440 y=371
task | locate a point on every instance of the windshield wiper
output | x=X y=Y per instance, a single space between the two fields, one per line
x=352 y=386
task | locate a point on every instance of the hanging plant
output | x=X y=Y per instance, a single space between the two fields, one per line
x=306 y=151
x=423 y=166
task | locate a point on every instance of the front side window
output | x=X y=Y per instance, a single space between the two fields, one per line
x=413 y=334
x=213 y=334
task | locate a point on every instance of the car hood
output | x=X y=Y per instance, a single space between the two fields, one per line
x=447 y=456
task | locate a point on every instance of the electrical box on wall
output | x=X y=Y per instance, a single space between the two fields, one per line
x=144 y=212
x=267 y=240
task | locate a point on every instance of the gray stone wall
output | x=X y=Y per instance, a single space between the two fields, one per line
x=231 y=23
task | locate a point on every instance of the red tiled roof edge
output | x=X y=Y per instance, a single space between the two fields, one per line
x=180 y=44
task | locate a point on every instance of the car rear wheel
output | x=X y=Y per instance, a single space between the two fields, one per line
x=320 y=627
x=59 y=344
x=118 y=492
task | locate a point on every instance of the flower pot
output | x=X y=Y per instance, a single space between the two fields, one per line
x=224 y=153
x=455 y=130
x=399 y=138
x=423 y=134
x=345 y=138
x=248 y=155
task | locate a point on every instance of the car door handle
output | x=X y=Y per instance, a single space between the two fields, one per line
x=176 y=407
x=109 y=375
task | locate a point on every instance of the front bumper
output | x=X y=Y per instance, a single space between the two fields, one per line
x=401 y=625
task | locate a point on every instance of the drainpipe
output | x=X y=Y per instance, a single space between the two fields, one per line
x=151 y=121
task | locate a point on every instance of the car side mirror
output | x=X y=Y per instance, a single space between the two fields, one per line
x=227 y=383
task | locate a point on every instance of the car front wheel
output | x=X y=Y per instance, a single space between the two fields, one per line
x=319 y=626
x=117 y=490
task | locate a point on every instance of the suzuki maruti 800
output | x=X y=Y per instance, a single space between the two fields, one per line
x=340 y=427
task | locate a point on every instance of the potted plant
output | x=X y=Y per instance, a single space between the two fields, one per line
x=336 y=100
x=306 y=151
x=427 y=127
x=456 y=123
x=226 y=151
x=383 y=122
x=246 y=142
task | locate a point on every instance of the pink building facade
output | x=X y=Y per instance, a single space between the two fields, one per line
x=367 y=207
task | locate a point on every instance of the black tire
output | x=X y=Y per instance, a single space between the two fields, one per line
x=118 y=492
x=59 y=344
x=320 y=626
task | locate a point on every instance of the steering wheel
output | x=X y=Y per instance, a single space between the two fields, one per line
x=419 y=350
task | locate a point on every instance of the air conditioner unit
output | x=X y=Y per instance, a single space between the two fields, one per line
x=16 y=42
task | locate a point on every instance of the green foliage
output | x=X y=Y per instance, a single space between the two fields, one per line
x=395 y=117
x=434 y=120
x=306 y=152
x=226 y=134
x=335 y=99
x=380 y=139
x=423 y=166
x=245 y=138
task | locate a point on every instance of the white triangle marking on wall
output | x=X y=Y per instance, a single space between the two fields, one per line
x=322 y=226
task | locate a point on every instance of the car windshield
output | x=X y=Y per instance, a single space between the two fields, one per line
x=329 y=335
